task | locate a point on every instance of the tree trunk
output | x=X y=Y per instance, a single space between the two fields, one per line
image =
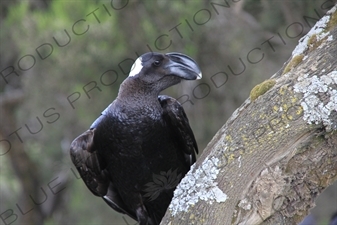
x=277 y=152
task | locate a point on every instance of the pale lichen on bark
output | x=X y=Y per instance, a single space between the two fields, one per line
x=312 y=40
x=198 y=184
x=319 y=100
x=319 y=31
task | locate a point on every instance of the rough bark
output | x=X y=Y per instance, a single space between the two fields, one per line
x=277 y=152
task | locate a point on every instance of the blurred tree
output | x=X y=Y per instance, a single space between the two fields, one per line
x=70 y=58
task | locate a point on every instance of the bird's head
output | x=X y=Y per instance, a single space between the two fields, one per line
x=164 y=70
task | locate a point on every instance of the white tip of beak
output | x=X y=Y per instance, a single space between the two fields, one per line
x=199 y=76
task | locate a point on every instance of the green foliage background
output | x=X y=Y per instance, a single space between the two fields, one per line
x=222 y=37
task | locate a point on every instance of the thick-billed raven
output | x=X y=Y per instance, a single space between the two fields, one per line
x=138 y=150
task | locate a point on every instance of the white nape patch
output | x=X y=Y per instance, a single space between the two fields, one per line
x=318 y=30
x=315 y=108
x=136 y=67
x=198 y=185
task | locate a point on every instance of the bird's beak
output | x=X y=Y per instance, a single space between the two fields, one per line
x=183 y=66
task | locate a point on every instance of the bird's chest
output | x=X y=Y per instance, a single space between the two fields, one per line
x=141 y=135
x=138 y=149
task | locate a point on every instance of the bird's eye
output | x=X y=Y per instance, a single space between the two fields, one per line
x=157 y=63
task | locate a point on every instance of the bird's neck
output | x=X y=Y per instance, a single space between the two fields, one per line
x=134 y=94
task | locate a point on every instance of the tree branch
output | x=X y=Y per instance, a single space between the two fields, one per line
x=277 y=152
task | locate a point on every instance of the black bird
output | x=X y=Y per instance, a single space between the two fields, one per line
x=138 y=150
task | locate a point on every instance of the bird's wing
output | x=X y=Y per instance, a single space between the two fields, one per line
x=89 y=164
x=92 y=169
x=175 y=115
